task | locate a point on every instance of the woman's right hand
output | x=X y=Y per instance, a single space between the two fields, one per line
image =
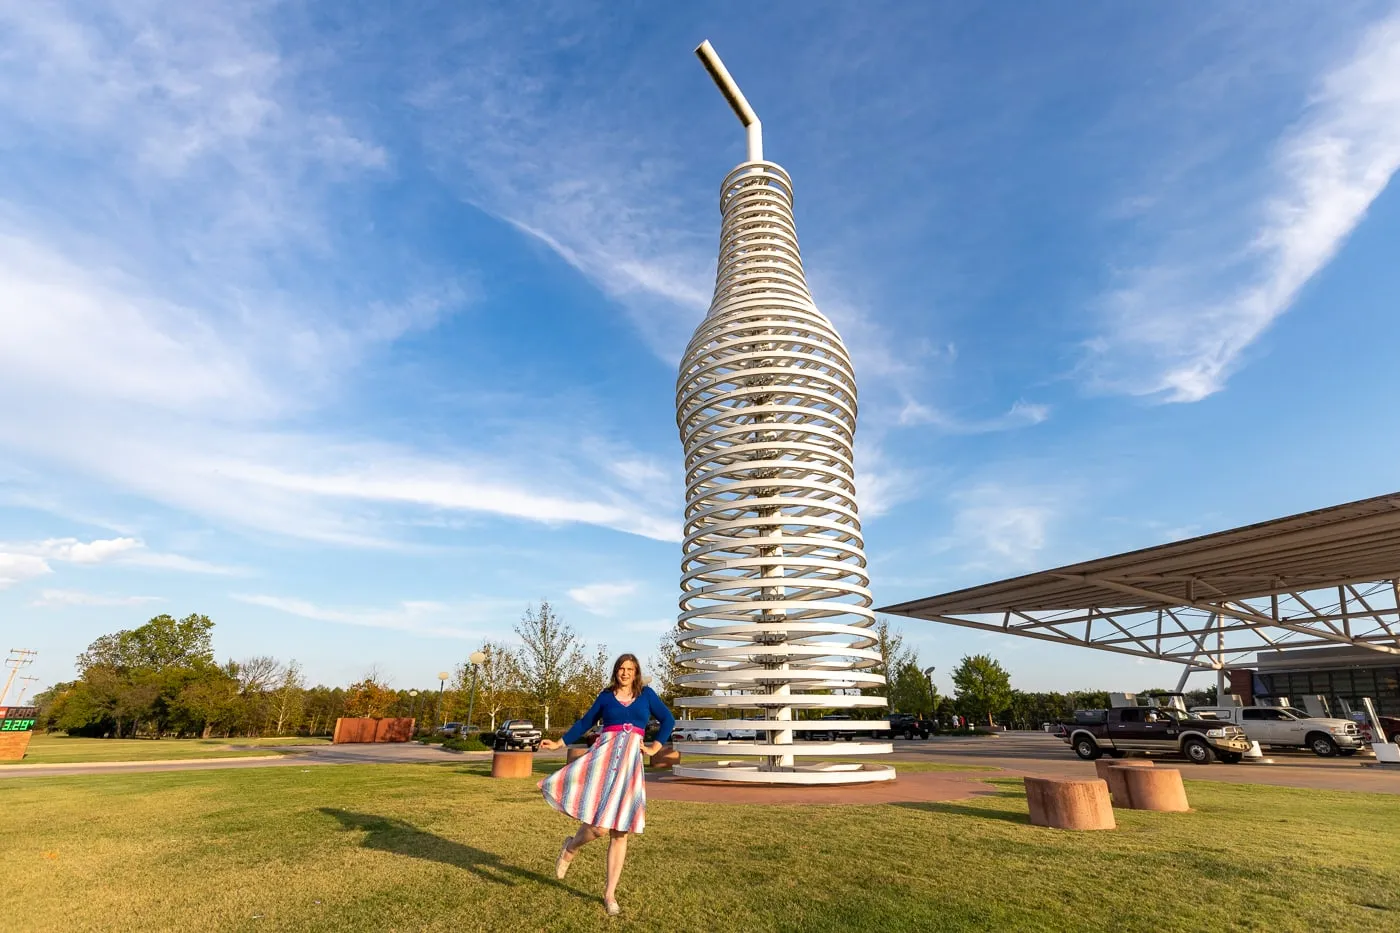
x=551 y=744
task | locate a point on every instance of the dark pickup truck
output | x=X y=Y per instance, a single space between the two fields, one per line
x=517 y=734
x=1098 y=732
x=909 y=725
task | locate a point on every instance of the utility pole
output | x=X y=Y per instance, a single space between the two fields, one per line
x=19 y=657
x=24 y=688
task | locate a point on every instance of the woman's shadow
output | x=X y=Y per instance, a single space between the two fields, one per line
x=400 y=838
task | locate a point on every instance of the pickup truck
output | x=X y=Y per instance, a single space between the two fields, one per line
x=1098 y=732
x=909 y=725
x=1286 y=726
x=517 y=734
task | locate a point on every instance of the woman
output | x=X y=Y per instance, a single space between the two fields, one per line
x=604 y=789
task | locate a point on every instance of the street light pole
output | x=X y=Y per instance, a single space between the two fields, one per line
x=476 y=658
x=414 y=694
x=442 y=682
x=928 y=675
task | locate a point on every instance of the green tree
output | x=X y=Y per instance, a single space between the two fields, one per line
x=290 y=697
x=666 y=670
x=910 y=691
x=161 y=643
x=324 y=705
x=550 y=657
x=498 y=681
x=893 y=654
x=209 y=702
x=583 y=688
x=48 y=702
x=983 y=686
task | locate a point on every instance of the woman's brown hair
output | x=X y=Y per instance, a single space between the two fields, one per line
x=637 y=684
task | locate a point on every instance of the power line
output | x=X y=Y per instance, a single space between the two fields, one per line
x=19 y=657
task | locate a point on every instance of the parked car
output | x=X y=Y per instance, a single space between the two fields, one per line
x=1098 y=732
x=687 y=731
x=517 y=734
x=1285 y=726
x=909 y=725
x=726 y=733
x=449 y=729
x=827 y=735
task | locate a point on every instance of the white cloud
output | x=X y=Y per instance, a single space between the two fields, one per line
x=882 y=484
x=91 y=552
x=16 y=568
x=166 y=345
x=420 y=617
x=1179 y=327
x=602 y=599
x=78 y=598
x=119 y=551
x=997 y=527
x=1021 y=414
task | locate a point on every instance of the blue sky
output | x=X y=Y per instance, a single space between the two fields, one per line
x=357 y=330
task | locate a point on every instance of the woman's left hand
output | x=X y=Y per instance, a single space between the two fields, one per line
x=651 y=748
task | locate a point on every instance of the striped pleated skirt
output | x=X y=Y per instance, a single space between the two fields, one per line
x=605 y=788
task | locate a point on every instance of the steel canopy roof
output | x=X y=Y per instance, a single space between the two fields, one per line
x=1250 y=581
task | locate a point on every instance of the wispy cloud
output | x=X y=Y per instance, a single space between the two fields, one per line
x=881 y=481
x=420 y=617
x=78 y=598
x=1001 y=528
x=1178 y=327
x=602 y=599
x=1021 y=414
x=129 y=552
x=179 y=333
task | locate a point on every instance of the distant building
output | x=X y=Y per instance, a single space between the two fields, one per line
x=1341 y=675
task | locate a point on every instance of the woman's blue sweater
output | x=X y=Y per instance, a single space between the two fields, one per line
x=613 y=713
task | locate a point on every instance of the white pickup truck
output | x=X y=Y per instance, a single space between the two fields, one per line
x=1287 y=726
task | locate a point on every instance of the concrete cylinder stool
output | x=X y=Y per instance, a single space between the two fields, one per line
x=1113 y=774
x=512 y=764
x=1063 y=804
x=574 y=753
x=1155 y=789
x=668 y=757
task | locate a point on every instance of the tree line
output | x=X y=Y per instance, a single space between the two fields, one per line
x=161 y=679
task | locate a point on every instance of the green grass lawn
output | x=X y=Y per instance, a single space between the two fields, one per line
x=444 y=847
x=62 y=749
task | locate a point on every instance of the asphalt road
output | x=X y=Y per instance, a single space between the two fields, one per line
x=1041 y=755
x=299 y=756
x=1017 y=753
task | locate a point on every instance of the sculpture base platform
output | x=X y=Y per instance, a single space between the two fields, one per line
x=815 y=774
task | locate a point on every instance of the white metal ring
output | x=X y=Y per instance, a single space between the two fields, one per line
x=775 y=598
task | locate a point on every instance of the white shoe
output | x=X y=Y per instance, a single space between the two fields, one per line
x=561 y=864
x=612 y=907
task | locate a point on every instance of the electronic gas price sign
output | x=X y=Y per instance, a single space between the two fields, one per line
x=18 y=718
x=16 y=728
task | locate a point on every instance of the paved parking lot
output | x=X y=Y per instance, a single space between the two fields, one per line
x=1040 y=754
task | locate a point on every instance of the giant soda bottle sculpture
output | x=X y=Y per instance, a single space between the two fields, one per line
x=775 y=605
